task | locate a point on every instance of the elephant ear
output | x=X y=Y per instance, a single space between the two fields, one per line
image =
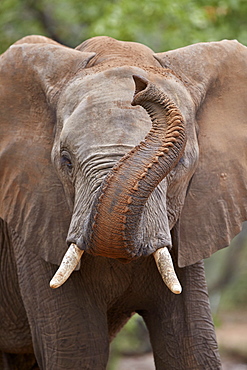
x=32 y=73
x=216 y=202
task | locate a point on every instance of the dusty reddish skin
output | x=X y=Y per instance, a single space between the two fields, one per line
x=114 y=224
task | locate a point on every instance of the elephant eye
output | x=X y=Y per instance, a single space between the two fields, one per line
x=66 y=162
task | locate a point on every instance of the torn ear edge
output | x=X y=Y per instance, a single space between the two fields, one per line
x=216 y=204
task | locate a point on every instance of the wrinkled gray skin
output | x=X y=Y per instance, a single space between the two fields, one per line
x=84 y=97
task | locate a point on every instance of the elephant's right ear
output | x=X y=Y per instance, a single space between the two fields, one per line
x=215 y=74
x=41 y=61
x=32 y=73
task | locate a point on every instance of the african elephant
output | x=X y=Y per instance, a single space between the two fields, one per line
x=111 y=156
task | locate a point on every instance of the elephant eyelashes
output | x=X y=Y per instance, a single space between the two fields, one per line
x=66 y=162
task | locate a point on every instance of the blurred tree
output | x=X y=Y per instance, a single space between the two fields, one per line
x=160 y=24
x=226 y=273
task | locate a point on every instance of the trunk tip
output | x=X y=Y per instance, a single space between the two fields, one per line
x=140 y=83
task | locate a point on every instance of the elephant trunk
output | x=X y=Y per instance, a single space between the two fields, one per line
x=114 y=222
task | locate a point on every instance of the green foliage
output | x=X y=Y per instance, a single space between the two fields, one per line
x=160 y=24
x=234 y=296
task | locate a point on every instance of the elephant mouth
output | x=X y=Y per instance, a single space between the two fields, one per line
x=117 y=211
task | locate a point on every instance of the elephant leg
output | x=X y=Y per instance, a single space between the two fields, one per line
x=180 y=326
x=15 y=336
x=68 y=324
x=117 y=318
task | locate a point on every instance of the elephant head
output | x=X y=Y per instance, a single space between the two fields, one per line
x=142 y=144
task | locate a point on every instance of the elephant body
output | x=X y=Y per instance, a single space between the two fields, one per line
x=72 y=326
x=114 y=151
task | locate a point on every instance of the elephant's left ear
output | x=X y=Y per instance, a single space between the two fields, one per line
x=216 y=203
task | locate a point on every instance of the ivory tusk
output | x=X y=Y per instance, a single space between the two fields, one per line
x=165 y=266
x=70 y=261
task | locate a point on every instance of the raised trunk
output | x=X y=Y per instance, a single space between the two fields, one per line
x=113 y=225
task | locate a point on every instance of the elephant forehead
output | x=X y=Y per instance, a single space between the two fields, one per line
x=102 y=86
x=103 y=114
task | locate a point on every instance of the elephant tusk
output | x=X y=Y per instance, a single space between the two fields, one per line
x=165 y=266
x=70 y=261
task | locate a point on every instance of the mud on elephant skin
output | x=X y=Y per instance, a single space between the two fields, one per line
x=118 y=163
